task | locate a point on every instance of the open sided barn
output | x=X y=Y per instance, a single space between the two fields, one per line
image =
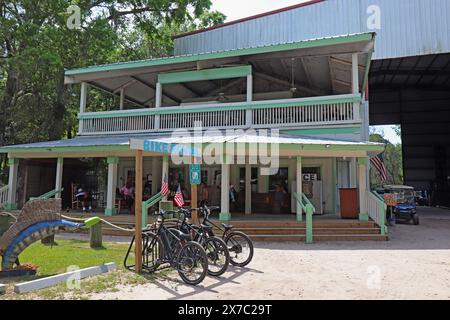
x=409 y=79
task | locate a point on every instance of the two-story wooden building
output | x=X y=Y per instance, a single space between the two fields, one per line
x=312 y=93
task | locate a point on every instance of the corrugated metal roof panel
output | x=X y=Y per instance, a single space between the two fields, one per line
x=408 y=27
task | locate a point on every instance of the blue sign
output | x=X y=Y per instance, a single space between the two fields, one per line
x=195 y=174
x=171 y=148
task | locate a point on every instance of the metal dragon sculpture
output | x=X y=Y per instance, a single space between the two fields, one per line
x=39 y=219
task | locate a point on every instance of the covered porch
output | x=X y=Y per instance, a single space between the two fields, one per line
x=314 y=168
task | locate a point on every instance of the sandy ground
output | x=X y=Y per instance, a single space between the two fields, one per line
x=414 y=264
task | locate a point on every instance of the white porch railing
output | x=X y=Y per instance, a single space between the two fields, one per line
x=331 y=110
x=3 y=196
x=377 y=211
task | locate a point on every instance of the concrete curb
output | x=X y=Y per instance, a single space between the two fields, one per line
x=53 y=280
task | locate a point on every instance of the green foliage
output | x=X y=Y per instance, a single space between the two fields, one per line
x=36 y=46
x=393 y=160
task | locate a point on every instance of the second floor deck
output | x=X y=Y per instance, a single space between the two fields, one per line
x=267 y=114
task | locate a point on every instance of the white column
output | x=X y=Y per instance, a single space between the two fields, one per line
x=362 y=188
x=112 y=185
x=355 y=85
x=122 y=98
x=352 y=173
x=248 y=113
x=158 y=103
x=165 y=169
x=59 y=176
x=12 y=183
x=248 y=186
x=83 y=99
x=299 y=188
x=225 y=189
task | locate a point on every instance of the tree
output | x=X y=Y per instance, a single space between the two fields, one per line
x=392 y=159
x=36 y=47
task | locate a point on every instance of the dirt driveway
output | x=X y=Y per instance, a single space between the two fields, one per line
x=414 y=264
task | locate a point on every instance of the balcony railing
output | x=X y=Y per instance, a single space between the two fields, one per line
x=343 y=109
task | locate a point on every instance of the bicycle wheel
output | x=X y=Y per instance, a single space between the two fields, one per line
x=152 y=251
x=218 y=256
x=240 y=247
x=192 y=264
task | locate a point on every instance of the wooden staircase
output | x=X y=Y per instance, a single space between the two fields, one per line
x=273 y=230
x=325 y=230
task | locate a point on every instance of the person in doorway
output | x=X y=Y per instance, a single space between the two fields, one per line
x=203 y=192
x=278 y=199
x=127 y=193
x=233 y=197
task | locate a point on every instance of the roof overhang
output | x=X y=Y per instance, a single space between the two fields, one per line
x=140 y=77
x=191 y=145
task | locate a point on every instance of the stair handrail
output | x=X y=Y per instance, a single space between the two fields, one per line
x=48 y=194
x=309 y=209
x=3 y=195
x=148 y=204
x=377 y=210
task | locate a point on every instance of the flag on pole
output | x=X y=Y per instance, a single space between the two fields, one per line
x=165 y=186
x=378 y=163
x=179 y=197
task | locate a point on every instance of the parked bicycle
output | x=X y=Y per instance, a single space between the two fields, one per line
x=216 y=249
x=239 y=244
x=173 y=248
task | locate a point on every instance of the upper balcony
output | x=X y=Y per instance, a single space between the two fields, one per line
x=288 y=113
x=287 y=86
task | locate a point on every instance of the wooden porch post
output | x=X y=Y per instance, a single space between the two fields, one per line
x=355 y=85
x=59 y=176
x=110 y=209
x=155 y=169
x=12 y=183
x=83 y=99
x=362 y=187
x=138 y=210
x=248 y=113
x=299 y=187
x=165 y=170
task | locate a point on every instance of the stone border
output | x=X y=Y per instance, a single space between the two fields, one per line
x=54 y=280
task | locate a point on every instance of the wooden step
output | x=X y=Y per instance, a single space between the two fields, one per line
x=302 y=231
x=319 y=238
x=293 y=224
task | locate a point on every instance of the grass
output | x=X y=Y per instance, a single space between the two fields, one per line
x=57 y=259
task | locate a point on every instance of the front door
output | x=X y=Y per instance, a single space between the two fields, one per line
x=212 y=177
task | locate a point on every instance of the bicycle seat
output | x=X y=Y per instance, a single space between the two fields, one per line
x=181 y=235
x=227 y=227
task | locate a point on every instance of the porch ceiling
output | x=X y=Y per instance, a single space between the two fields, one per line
x=314 y=67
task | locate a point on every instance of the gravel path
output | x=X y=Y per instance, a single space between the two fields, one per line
x=414 y=264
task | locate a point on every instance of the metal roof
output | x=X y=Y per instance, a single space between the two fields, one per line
x=124 y=141
x=407 y=27
x=315 y=62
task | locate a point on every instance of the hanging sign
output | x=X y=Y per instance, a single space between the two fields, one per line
x=195 y=174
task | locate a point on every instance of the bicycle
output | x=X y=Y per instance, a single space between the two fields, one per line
x=239 y=244
x=161 y=245
x=216 y=249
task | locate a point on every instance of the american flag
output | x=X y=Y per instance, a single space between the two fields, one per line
x=378 y=163
x=165 y=186
x=179 y=197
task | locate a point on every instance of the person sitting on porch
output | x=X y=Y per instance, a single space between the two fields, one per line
x=127 y=193
x=84 y=198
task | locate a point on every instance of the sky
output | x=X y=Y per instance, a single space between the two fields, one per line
x=237 y=9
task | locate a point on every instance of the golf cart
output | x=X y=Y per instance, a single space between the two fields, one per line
x=405 y=208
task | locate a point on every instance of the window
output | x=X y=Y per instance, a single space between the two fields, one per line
x=281 y=178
